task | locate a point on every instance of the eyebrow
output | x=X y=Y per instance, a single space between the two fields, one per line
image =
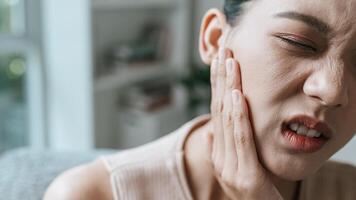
x=307 y=19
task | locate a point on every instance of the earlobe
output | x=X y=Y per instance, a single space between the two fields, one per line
x=212 y=32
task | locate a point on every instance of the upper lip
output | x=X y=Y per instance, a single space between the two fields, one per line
x=311 y=123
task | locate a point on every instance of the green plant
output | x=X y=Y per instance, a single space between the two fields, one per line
x=12 y=72
x=198 y=86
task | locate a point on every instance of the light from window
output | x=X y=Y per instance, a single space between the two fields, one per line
x=13 y=120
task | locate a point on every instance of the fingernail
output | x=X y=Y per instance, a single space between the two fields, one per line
x=235 y=96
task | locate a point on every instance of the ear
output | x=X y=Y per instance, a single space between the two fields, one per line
x=213 y=31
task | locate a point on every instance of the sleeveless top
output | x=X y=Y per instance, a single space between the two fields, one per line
x=155 y=171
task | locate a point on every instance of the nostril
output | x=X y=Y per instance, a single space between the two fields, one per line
x=318 y=99
x=324 y=103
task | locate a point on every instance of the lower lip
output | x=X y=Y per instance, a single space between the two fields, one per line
x=301 y=143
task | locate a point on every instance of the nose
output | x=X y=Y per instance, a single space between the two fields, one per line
x=328 y=85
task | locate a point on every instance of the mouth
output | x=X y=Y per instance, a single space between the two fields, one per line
x=306 y=134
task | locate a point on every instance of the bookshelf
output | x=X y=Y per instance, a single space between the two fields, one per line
x=127 y=76
x=121 y=20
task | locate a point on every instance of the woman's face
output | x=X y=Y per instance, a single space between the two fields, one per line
x=292 y=64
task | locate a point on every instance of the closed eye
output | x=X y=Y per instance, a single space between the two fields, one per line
x=298 y=44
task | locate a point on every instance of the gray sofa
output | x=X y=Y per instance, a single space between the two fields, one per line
x=25 y=174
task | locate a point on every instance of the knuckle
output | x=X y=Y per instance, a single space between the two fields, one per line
x=238 y=116
x=241 y=140
x=228 y=121
x=230 y=82
x=221 y=107
x=218 y=168
x=213 y=157
x=227 y=178
x=247 y=184
x=217 y=107
x=219 y=165
x=221 y=71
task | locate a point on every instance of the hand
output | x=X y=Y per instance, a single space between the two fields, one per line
x=231 y=146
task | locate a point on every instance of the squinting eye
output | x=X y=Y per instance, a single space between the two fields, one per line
x=297 y=44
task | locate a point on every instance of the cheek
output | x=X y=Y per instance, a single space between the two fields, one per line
x=265 y=72
x=345 y=119
x=264 y=79
x=344 y=123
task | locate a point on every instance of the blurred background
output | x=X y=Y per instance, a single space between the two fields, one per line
x=79 y=75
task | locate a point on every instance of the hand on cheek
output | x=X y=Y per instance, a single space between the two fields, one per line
x=231 y=145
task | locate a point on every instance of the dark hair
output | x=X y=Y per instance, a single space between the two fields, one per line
x=233 y=9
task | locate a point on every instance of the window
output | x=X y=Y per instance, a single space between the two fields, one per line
x=13 y=123
x=12 y=17
x=19 y=73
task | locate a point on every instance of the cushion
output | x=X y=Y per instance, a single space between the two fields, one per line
x=25 y=173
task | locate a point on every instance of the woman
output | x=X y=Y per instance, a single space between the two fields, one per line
x=283 y=79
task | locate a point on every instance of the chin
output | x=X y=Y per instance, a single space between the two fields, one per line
x=291 y=169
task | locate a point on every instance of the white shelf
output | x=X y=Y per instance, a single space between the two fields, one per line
x=127 y=76
x=132 y=4
x=120 y=20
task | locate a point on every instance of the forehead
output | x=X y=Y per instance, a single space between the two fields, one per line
x=340 y=15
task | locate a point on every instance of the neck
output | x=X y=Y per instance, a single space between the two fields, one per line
x=288 y=189
x=200 y=176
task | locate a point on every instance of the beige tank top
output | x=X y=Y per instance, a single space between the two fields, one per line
x=155 y=171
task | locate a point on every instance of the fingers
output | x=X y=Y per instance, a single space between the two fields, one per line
x=230 y=162
x=233 y=76
x=218 y=93
x=231 y=146
x=213 y=78
x=243 y=135
x=214 y=107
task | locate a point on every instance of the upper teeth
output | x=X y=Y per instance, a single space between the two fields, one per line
x=303 y=130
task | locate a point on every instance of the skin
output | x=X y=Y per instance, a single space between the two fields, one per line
x=275 y=80
x=280 y=80
x=232 y=151
x=86 y=182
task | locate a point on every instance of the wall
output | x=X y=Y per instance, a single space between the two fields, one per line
x=67 y=49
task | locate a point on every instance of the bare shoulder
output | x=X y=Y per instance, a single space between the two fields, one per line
x=88 y=181
x=338 y=172
x=341 y=168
